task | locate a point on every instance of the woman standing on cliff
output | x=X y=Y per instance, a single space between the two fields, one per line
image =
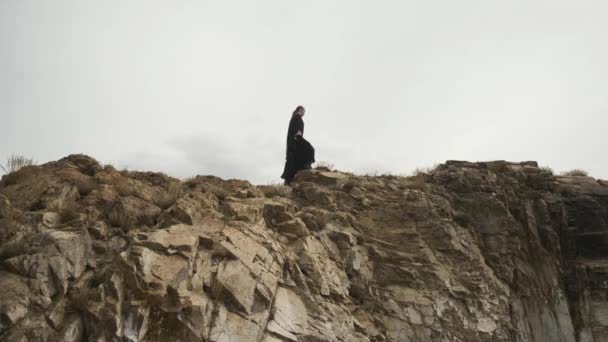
x=300 y=153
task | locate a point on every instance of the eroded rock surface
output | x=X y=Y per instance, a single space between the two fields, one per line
x=491 y=251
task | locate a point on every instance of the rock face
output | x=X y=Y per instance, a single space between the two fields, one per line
x=491 y=251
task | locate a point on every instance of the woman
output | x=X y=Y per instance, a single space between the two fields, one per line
x=300 y=153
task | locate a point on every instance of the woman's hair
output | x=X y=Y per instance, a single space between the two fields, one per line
x=298 y=108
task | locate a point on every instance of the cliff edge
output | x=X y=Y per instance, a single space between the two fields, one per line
x=487 y=251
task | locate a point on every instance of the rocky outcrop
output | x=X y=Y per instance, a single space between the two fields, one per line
x=491 y=251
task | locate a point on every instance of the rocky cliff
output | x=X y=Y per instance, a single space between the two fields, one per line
x=491 y=251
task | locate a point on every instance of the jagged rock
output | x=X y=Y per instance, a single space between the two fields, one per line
x=326 y=178
x=318 y=218
x=56 y=313
x=238 y=281
x=343 y=238
x=582 y=185
x=99 y=230
x=315 y=194
x=137 y=320
x=325 y=273
x=82 y=163
x=5 y=207
x=51 y=220
x=195 y=207
x=72 y=331
x=310 y=220
x=486 y=251
x=151 y=273
x=14 y=299
x=265 y=265
x=290 y=317
x=276 y=212
x=295 y=227
x=230 y=327
x=50 y=257
x=130 y=211
x=182 y=239
x=243 y=210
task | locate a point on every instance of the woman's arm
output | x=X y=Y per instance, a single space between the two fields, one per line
x=299 y=128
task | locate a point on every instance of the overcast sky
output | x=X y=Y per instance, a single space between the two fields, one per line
x=208 y=87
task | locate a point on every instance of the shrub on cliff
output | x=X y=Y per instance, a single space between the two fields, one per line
x=16 y=162
x=424 y=170
x=576 y=173
x=170 y=196
x=547 y=170
x=324 y=165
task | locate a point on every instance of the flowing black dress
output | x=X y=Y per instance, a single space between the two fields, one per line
x=300 y=153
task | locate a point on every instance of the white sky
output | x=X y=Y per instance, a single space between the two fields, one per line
x=208 y=87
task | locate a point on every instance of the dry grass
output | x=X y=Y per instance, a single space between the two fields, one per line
x=69 y=212
x=373 y=174
x=118 y=218
x=324 y=165
x=576 y=173
x=216 y=288
x=85 y=186
x=275 y=189
x=422 y=170
x=221 y=193
x=16 y=162
x=418 y=179
x=168 y=198
x=369 y=174
x=65 y=205
x=417 y=182
x=124 y=188
x=24 y=175
x=61 y=201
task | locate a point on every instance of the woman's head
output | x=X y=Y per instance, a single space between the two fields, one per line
x=299 y=111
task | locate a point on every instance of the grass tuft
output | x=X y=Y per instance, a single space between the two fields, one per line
x=547 y=170
x=324 y=165
x=69 y=212
x=220 y=193
x=65 y=205
x=61 y=202
x=275 y=189
x=168 y=198
x=423 y=170
x=16 y=162
x=119 y=218
x=85 y=186
x=124 y=188
x=576 y=173
x=216 y=288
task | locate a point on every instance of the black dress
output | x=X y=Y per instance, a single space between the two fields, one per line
x=300 y=154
